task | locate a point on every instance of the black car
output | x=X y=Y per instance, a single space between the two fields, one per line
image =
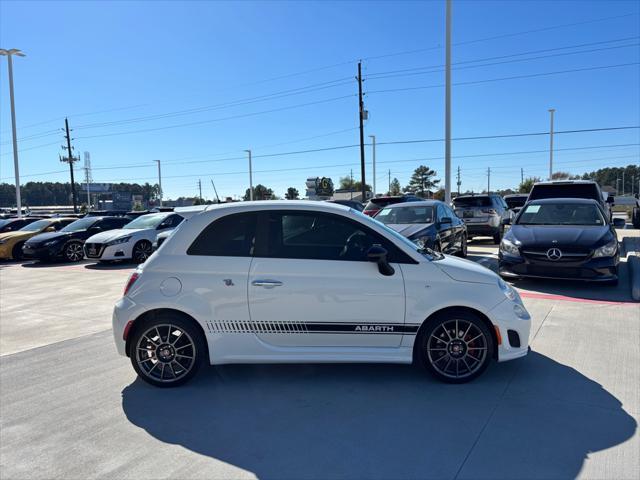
x=573 y=189
x=516 y=201
x=429 y=223
x=349 y=203
x=13 y=224
x=376 y=204
x=564 y=238
x=68 y=243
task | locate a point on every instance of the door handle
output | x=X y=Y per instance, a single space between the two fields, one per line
x=266 y=283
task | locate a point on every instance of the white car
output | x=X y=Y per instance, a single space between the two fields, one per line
x=296 y=281
x=133 y=241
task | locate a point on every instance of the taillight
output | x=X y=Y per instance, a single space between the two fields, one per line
x=132 y=279
x=490 y=211
x=371 y=213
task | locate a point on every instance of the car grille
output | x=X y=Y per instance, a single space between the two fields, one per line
x=93 y=250
x=560 y=272
x=569 y=254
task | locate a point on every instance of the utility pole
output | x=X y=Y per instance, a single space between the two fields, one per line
x=551 y=111
x=389 y=182
x=250 y=176
x=488 y=179
x=215 y=191
x=200 y=188
x=623 y=182
x=70 y=159
x=160 y=181
x=9 y=53
x=458 y=181
x=373 y=145
x=617 y=185
x=361 y=108
x=447 y=102
x=633 y=182
x=87 y=177
x=521 y=175
x=351 y=183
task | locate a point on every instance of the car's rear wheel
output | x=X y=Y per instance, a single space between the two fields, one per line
x=455 y=347
x=635 y=219
x=167 y=350
x=73 y=252
x=462 y=253
x=16 y=253
x=141 y=251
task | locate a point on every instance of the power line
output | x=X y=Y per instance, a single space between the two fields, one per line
x=515 y=77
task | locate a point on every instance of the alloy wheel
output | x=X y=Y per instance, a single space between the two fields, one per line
x=165 y=353
x=457 y=348
x=74 y=252
x=142 y=251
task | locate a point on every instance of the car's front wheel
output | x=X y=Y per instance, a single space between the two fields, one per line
x=455 y=347
x=167 y=350
x=141 y=251
x=73 y=252
x=16 y=253
x=462 y=253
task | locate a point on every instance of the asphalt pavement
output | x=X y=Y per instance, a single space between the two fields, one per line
x=71 y=408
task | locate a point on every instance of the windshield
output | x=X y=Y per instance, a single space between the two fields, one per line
x=3 y=223
x=515 y=202
x=405 y=215
x=566 y=190
x=36 y=226
x=146 y=221
x=79 y=225
x=561 y=214
x=472 y=202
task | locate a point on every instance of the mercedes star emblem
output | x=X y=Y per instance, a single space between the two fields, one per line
x=554 y=254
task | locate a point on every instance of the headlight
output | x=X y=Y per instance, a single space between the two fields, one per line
x=118 y=241
x=508 y=291
x=2 y=242
x=49 y=243
x=521 y=312
x=508 y=247
x=608 y=250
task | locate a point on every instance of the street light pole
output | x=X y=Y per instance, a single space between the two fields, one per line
x=373 y=146
x=250 y=176
x=551 y=111
x=159 y=181
x=447 y=114
x=8 y=54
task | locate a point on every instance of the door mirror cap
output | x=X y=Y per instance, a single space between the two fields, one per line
x=378 y=255
x=50 y=229
x=610 y=200
x=506 y=221
x=445 y=220
x=95 y=229
x=619 y=222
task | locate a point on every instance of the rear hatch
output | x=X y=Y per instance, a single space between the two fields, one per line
x=473 y=209
x=377 y=204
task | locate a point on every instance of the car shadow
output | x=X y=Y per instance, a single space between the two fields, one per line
x=32 y=263
x=385 y=421
x=110 y=266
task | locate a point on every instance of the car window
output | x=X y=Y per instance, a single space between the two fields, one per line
x=449 y=213
x=59 y=225
x=318 y=236
x=566 y=190
x=111 y=223
x=79 y=225
x=561 y=214
x=406 y=214
x=230 y=236
x=463 y=202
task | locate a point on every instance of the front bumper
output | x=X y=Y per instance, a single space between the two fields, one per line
x=602 y=269
x=100 y=251
x=514 y=331
x=6 y=251
x=42 y=252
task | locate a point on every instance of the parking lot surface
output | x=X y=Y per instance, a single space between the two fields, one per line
x=72 y=408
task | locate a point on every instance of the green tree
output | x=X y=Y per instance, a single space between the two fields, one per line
x=292 y=194
x=394 y=187
x=347 y=183
x=422 y=180
x=527 y=184
x=260 y=192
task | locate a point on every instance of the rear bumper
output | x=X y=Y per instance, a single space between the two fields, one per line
x=483 y=229
x=592 y=270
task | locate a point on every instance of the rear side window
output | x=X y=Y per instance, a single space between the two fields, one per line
x=229 y=236
x=462 y=202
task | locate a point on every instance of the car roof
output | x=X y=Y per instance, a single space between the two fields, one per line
x=560 y=182
x=423 y=203
x=513 y=195
x=542 y=201
x=478 y=195
x=277 y=205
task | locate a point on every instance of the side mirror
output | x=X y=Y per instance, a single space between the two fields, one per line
x=50 y=229
x=610 y=200
x=95 y=229
x=506 y=221
x=445 y=220
x=378 y=255
x=619 y=222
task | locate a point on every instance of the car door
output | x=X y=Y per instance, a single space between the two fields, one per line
x=218 y=263
x=457 y=227
x=445 y=232
x=311 y=285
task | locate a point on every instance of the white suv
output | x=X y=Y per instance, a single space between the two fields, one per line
x=296 y=281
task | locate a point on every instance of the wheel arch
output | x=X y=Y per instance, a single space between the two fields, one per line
x=454 y=310
x=154 y=313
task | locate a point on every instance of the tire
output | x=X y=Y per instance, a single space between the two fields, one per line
x=498 y=236
x=463 y=248
x=73 y=252
x=635 y=219
x=16 y=253
x=455 y=358
x=141 y=251
x=162 y=357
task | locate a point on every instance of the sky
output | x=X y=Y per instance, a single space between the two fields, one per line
x=195 y=84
